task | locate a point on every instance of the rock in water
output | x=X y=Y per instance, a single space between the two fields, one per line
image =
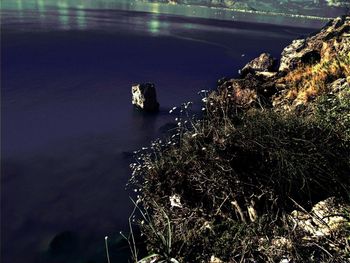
x=264 y=63
x=144 y=96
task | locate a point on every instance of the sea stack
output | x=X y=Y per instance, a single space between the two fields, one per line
x=144 y=97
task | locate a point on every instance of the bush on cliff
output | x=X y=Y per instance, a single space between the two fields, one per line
x=225 y=186
x=229 y=179
x=333 y=110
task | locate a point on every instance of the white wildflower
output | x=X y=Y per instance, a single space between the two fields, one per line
x=174 y=108
x=285 y=260
x=175 y=201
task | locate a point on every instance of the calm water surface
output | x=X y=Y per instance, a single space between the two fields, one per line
x=67 y=124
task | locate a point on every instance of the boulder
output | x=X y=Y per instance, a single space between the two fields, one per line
x=246 y=91
x=339 y=86
x=264 y=63
x=144 y=96
x=214 y=259
x=290 y=55
x=325 y=217
x=241 y=92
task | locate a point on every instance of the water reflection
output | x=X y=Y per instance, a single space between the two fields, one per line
x=63 y=14
x=41 y=8
x=81 y=17
x=20 y=8
x=72 y=13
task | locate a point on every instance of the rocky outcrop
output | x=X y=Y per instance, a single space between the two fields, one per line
x=264 y=63
x=310 y=67
x=240 y=92
x=243 y=92
x=333 y=39
x=144 y=96
x=339 y=86
x=307 y=69
x=325 y=218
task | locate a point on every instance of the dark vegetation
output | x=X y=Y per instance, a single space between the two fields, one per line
x=236 y=173
x=223 y=187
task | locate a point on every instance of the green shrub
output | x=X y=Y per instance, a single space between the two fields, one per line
x=333 y=111
x=222 y=184
x=232 y=169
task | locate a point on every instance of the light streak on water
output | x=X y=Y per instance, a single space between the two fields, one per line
x=63 y=11
x=81 y=17
x=20 y=8
x=41 y=8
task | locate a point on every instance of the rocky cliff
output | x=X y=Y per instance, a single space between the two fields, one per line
x=308 y=67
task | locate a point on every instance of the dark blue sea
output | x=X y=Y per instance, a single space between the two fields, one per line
x=68 y=129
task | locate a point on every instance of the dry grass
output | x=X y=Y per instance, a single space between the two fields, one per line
x=235 y=171
x=227 y=165
x=307 y=82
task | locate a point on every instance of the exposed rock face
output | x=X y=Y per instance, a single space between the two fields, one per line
x=245 y=91
x=241 y=92
x=325 y=217
x=264 y=63
x=144 y=96
x=307 y=68
x=290 y=55
x=339 y=85
x=214 y=259
x=333 y=39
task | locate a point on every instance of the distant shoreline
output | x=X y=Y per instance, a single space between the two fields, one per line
x=194 y=11
x=238 y=15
